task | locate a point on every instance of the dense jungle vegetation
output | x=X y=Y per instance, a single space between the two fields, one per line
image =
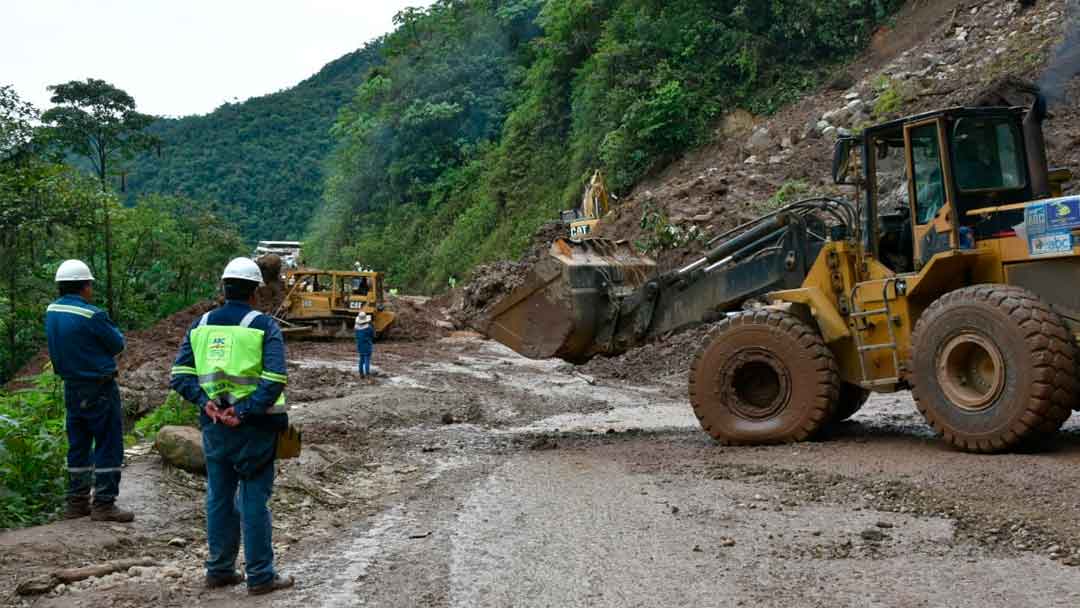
x=484 y=118
x=166 y=251
x=262 y=159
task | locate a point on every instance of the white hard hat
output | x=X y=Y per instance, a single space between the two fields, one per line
x=73 y=270
x=245 y=269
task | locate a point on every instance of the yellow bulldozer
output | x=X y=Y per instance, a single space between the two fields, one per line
x=325 y=303
x=966 y=291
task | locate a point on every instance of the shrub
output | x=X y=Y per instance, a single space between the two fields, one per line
x=33 y=449
x=660 y=234
x=174 y=412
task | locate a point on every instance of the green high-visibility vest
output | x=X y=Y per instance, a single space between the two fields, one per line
x=228 y=361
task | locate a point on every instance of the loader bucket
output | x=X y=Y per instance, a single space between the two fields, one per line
x=568 y=305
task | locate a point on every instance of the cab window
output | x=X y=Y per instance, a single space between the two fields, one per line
x=987 y=155
x=360 y=285
x=928 y=178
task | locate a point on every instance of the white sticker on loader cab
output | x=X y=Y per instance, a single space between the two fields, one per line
x=1052 y=244
x=355 y=305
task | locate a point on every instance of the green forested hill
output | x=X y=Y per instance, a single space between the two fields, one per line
x=487 y=116
x=261 y=160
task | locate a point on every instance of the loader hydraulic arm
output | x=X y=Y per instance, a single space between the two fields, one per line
x=597 y=297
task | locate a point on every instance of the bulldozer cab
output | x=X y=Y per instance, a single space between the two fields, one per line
x=924 y=175
x=330 y=300
x=321 y=293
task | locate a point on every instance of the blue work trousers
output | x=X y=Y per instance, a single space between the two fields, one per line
x=238 y=490
x=365 y=364
x=95 y=430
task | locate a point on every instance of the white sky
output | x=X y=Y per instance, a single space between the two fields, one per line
x=180 y=57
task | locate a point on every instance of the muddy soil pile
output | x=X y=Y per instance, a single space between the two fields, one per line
x=418 y=319
x=490 y=283
x=665 y=360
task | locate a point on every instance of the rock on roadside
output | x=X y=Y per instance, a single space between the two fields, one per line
x=181 y=446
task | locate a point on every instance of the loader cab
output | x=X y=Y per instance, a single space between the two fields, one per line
x=923 y=174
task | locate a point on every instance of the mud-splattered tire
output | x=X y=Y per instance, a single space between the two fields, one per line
x=764 y=377
x=993 y=367
x=852 y=398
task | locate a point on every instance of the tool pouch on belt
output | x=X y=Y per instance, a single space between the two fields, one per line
x=288 y=443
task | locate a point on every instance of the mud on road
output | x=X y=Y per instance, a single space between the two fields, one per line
x=464 y=475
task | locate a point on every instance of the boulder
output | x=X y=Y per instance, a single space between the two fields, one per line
x=855 y=107
x=181 y=446
x=737 y=124
x=760 y=141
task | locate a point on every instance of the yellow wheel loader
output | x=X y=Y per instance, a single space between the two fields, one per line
x=957 y=275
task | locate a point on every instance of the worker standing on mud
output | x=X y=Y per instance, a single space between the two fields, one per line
x=83 y=344
x=365 y=342
x=232 y=365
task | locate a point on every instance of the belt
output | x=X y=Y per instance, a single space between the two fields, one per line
x=99 y=380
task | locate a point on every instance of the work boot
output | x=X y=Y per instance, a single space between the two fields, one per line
x=111 y=512
x=78 y=506
x=279 y=582
x=228 y=580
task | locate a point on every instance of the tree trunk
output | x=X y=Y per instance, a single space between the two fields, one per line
x=12 y=332
x=110 y=305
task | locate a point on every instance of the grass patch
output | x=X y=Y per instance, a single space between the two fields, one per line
x=174 y=412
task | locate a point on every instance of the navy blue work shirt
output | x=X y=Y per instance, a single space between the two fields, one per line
x=83 y=340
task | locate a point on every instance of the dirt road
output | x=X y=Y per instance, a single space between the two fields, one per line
x=468 y=476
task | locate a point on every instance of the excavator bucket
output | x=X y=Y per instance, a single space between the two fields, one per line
x=568 y=306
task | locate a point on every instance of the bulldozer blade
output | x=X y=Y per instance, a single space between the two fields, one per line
x=569 y=300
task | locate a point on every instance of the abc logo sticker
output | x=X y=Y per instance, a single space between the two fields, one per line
x=220 y=347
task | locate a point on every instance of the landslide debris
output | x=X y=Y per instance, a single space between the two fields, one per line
x=490 y=283
x=664 y=360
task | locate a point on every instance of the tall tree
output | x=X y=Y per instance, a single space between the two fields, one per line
x=16 y=122
x=98 y=121
x=36 y=198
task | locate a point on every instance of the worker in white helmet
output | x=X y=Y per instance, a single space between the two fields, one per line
x=365 y=342
x=83 y=344
x=232 y=365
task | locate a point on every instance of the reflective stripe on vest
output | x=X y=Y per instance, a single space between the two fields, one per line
x=228 y=361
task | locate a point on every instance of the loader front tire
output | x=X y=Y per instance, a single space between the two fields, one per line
x=764 y=377
x=993 y=367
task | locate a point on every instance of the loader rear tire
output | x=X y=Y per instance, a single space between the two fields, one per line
x=852 y=398
x=993 y=367
x=764 y=377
